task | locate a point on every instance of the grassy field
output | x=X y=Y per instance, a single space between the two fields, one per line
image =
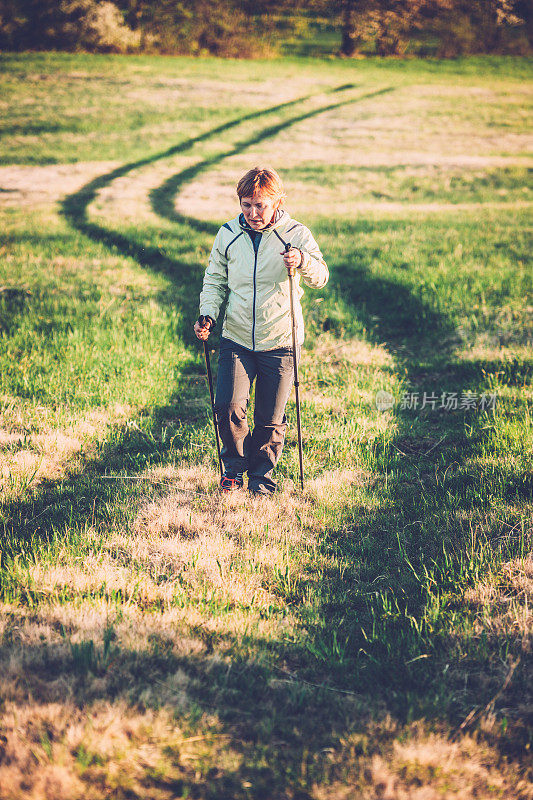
x=367 y=638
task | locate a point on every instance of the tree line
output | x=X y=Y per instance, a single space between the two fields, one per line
x=248 y=28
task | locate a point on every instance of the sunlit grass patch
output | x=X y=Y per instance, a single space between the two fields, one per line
x=37 y=186
x=505 y=599
x=412 y=183
x=54 y=750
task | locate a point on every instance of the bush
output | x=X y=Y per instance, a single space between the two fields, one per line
x=97 y=27
x=90 y=25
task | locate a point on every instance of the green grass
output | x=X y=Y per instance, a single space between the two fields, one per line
x=441 y=185
x=63 y=108
x=375 y=631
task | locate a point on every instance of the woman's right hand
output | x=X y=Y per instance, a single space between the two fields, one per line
x=202 y=331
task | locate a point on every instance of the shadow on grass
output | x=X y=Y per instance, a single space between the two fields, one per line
x=280 y=734
x=384 y=611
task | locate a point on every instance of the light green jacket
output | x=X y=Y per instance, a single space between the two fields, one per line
x=258 y=312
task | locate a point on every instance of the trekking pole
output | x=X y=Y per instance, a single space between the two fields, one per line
x=212 y=394
x=295 y=366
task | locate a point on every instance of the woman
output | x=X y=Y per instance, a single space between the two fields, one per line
x=250 y=261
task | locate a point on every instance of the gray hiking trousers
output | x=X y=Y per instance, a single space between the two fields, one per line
x=257 y=452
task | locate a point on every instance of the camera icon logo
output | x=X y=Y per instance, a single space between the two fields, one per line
x=384 y=400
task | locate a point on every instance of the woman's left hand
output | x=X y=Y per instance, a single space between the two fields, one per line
x=292 y=258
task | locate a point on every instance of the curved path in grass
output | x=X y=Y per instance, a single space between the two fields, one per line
x=75 y=206
x=419 y=329
x=163 y=197
x=376 y=291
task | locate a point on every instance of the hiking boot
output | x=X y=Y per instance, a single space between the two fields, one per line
x=231 y=481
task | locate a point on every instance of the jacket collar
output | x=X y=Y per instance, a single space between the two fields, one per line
x=280 y=218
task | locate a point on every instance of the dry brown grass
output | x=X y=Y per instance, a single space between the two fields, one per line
x=55 y=751
x=403 y=128
x=33 y=186
x=128 y=198
x=64 y=737
x=234 y=545
x=71 y=735
x=424 y=765
x=72 y=732
x=491 y=352
x=350 y=353
x=355 y=136
x=206 y=93
x=506 y=602
x=29 y=457
x=212 y=202
x=62 y=734
x=430 y=767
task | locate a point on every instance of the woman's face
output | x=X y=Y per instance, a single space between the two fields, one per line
x=259 y=210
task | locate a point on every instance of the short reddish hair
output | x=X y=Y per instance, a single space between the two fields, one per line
x=261 y=180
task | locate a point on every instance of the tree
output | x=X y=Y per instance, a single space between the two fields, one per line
x=389 y=23
x=353 y=12
x=492 y=18
x=524 y=10
x=483 y=26
x=248 y=28
x=461 y=25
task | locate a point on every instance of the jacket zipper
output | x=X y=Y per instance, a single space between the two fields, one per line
x=255 y=296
